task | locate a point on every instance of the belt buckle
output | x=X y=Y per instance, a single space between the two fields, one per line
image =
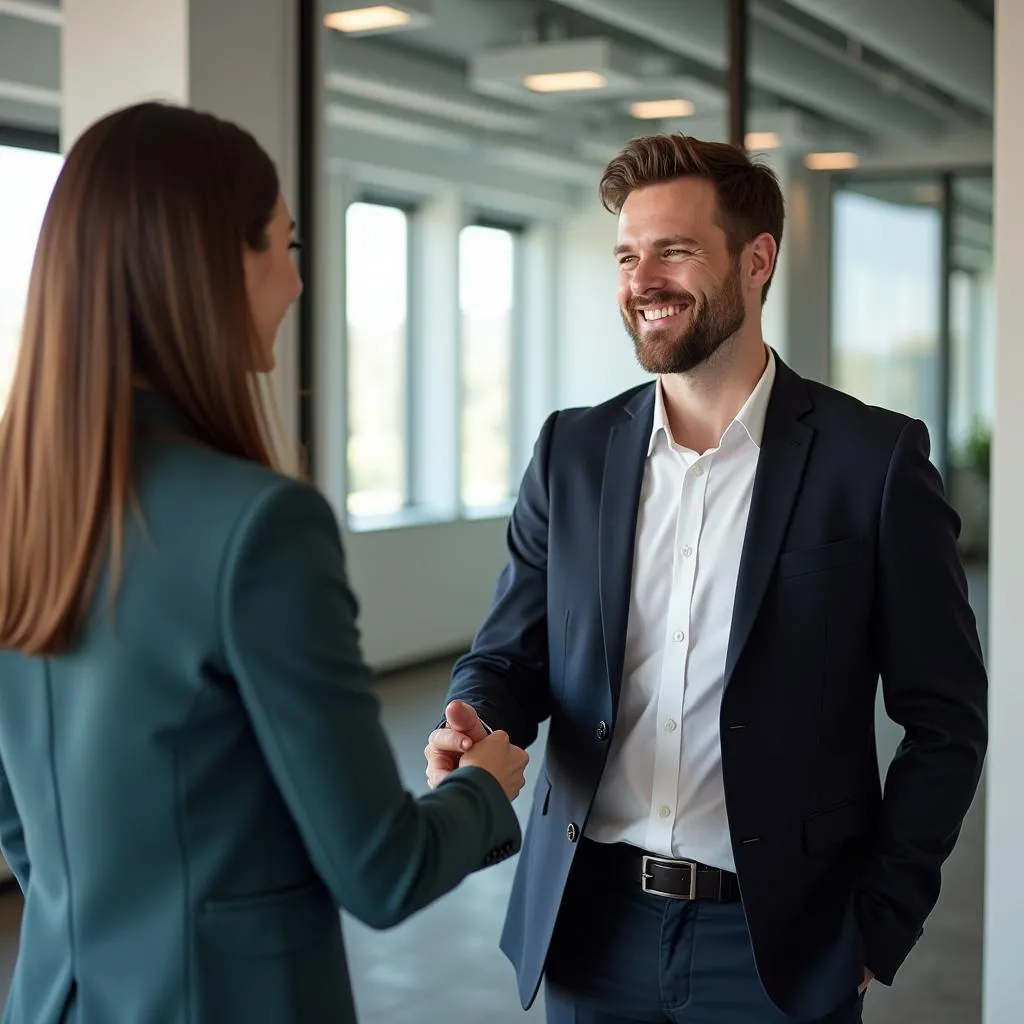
x=645 y=875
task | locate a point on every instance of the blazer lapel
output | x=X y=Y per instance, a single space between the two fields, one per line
x=625 y=458
x=784 y=449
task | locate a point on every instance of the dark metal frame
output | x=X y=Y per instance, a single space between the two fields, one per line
x=308 y=28
x=739 y=25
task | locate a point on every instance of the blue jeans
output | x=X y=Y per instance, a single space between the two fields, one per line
x=622 y=956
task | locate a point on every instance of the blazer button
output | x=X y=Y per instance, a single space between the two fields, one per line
x=602 y=730
x=572 y=833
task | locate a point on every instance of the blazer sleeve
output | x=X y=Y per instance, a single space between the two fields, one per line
x=290 y=640
x=935 y=687
x=12 y=834
x=505 y=676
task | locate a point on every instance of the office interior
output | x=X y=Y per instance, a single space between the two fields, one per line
x=443 y=158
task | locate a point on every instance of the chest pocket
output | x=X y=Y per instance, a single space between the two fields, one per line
x=824 y=557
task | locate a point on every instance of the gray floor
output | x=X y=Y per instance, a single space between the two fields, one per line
x=444 y=965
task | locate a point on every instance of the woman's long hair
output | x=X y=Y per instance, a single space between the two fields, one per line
x=138 y=275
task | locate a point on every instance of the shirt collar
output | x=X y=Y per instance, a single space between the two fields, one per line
x=751 y=416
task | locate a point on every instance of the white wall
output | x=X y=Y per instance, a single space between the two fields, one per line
x=1003 y=992
x=234 y=58
x=110 y=58
x=424 y=590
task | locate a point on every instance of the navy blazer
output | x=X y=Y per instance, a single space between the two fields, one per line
x=850 y=571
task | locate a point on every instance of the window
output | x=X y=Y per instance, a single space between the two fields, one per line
x=377 y=290
x=27 y=178
x=887 y=296
x=487 y=286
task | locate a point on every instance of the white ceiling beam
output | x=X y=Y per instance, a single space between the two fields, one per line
x=42 y=14
x=940 y=41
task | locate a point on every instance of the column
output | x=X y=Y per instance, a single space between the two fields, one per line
x=233 y=58
x=1003 y=986
x=807 y=265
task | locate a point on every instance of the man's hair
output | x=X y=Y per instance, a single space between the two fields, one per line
x=750 y=200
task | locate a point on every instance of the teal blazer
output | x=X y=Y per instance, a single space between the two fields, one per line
x=190 y=794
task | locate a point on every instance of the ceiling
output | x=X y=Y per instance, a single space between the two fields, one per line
x=860 y=75
x=856 y=73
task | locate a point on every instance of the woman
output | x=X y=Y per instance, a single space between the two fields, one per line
x=194 y=771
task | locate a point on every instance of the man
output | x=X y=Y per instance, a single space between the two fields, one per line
x=707 y=576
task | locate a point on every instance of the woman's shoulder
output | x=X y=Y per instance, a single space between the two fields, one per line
x=191 y=486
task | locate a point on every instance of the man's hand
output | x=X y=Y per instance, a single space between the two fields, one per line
x=868 y=978
x=505 y=762
x=446 y=746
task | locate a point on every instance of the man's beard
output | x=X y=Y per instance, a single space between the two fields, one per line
x=712 y=323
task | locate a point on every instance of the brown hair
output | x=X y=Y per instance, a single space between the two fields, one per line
x=750 y=200
x=138 y=274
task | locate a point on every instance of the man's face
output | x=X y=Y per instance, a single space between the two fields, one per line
x=680 y=289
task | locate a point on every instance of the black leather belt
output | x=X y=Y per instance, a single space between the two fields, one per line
x=672 y=879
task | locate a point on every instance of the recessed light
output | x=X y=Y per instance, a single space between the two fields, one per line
x=355 y=17
x=565 y=81
x=559 y=70
x=831 y=161
x=762 y=140
x=649 y=110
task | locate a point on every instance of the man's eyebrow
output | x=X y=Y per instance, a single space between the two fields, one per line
x=659 y=243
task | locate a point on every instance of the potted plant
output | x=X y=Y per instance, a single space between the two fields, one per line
x=969 y=490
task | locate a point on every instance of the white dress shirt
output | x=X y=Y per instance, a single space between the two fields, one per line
x=662 y=787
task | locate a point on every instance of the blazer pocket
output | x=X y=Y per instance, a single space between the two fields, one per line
x=834 y=826
x=271 y=923
x=271 y=956
x=821 y=558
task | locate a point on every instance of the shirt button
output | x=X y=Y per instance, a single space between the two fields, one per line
x=670 y=726
x=678 y=636
x=687 y=551
x=602 y=730
x=572 y=832
x=698 y=470
x=665 y=811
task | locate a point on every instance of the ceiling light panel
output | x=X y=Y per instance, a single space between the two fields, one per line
x=762 y=141
x=565 y=81
x=363 y=18
x=652 y=110
x=831 y=161
x=566 y=68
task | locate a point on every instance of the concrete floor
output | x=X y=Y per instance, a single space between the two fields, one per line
x=444 y=964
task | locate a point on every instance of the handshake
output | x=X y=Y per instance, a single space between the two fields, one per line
x=464 y=742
